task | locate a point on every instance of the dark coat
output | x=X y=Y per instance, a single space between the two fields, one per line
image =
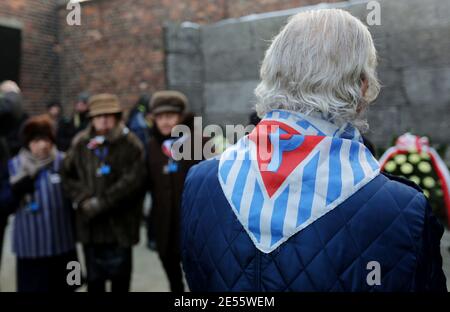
x=166 y=189
x=385 y=221
x=6 y=201
x=67 y=129
x=12 y=118
x=138 y=125
x=120 y=193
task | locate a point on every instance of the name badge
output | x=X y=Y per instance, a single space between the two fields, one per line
x=32 y=206
x=104 y=170
x=171 y=167
x=55 y=178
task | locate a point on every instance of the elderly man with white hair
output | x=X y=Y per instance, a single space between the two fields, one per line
x=299 y=204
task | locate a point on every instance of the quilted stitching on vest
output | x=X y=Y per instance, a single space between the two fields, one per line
x=382 y=222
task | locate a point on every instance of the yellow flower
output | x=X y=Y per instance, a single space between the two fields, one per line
x=390 y=166
x=400 y=159
x=406 y=168
x=414 y=158
x=424 y=167
x=429 y=182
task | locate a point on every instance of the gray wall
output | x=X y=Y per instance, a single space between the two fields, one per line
x=217 y=66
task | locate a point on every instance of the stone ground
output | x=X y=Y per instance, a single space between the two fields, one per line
x=148 y=274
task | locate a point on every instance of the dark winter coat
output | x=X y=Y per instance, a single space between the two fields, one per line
x=67 y=129
x=120 y=193
x=166 y=189
x=138 y=125
x=11 y=119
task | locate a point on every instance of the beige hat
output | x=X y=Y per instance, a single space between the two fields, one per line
x=103 y=104
x=168 y=101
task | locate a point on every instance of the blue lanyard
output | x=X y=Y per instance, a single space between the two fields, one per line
x=104 y=169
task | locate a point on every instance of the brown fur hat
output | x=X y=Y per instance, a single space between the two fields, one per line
x=37 y=127
x=168 y=101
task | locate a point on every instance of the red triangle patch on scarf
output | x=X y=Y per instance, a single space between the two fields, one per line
x=289 y=159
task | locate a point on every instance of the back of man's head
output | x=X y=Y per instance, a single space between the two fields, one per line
x=318 y=63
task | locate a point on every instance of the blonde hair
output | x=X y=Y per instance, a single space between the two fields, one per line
x=317 y=64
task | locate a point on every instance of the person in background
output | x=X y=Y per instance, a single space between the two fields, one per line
x=43 y=234
x=299 y=204
x=6 y=204
x=166 y=180
x=54 y=111
x=137 y=122
x=11 y=96
x=139 y=125
x=68 y=129
x=104 y=174
x=12 y=117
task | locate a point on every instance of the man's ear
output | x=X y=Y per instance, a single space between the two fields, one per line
x=364 y=87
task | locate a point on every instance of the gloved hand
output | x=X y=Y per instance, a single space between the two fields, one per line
x=90 y=207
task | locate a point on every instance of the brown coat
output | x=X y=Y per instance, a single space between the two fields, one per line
x=120 y=193
x=166 y=189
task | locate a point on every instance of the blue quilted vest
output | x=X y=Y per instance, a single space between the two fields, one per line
x=385 y=221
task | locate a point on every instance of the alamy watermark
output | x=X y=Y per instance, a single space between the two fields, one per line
x=74 y=16
x=74 y=276
x=374 y=16
x=374 y=276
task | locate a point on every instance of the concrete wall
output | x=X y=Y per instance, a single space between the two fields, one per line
x=219 y=68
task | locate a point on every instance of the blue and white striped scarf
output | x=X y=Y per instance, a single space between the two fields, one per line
x=290 y=171
x=47 y=231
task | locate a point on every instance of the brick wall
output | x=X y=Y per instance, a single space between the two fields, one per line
x=37 y=20
x=118 y=48
x=120 y=45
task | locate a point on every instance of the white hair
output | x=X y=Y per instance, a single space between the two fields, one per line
x=317 y=64
x=9 y=86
